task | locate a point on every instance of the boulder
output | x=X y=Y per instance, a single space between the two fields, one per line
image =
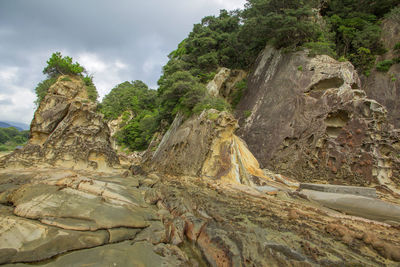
x=310 y=120
x=66 y=131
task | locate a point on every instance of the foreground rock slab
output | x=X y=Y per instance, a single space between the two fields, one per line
x=23 y=240
x=192 y=221
x=44 y=213
x=366 y=207
x=122 y=254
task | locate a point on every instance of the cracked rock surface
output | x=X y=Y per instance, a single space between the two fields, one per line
x=67 y=218
x=44 y=213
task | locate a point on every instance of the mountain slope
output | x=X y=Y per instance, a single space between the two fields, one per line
x=18 y=125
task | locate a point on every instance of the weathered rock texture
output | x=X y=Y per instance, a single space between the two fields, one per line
x=224 y=82
x=205 y=145
x=46 y=213
x=311 y=121
x=233 y=226
x=66 y=131
x=385 y=86
x=91 y=219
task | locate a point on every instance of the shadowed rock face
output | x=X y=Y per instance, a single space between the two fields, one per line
x=384 y=87
x=66 y=131
x=310 y=120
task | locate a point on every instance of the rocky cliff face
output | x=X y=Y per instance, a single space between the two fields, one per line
x=66 y=131
x=310 y=120
x=385 y=86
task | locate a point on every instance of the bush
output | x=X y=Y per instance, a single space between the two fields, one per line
x=384 y=66
x=247 y=113
x=394 y=14
x=363 y=60
x=90 y=88
x=320 y=48
x=42 y=88
x=210 y=102
x=66 y=79
x=240 y=89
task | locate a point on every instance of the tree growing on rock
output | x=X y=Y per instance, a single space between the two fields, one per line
x=59 y=65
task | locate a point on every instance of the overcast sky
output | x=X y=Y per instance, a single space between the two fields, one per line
x=115 y=40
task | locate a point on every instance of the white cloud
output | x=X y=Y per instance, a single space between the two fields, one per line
x=92 y=63
x=106 y=74
x=231 y=4
x=8 y=74
x=17 y=105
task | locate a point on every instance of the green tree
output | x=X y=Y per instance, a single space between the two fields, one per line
x=59 y=65
x=134 y=96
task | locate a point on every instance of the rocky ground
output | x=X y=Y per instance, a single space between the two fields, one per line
x=70 y=218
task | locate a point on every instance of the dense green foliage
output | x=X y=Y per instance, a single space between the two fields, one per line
x=343 y=29
x=128 y=96
x=58 y=65
x=136 y=104
x=10 y=138
x=355 y=24
x=384 y=66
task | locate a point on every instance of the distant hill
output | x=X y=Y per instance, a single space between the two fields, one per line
x=17 y=125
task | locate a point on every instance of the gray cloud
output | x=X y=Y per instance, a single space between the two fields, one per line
x=115 y=40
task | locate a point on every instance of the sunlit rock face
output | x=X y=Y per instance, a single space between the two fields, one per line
x=66 y=131
x=309 y=119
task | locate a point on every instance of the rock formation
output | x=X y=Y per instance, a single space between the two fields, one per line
x=384 y=87
x=206 y=146
x=66 y=131
x=311 y=121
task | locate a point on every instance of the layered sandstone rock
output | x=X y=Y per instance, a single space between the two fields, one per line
x=66 y=131
x=310 y=120
x=206 y=146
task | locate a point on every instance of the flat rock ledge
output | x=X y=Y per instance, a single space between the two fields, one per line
x=340 y=189
x=365 y=207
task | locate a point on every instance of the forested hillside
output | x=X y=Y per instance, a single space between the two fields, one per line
x=11 y=138
x=344 y=29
